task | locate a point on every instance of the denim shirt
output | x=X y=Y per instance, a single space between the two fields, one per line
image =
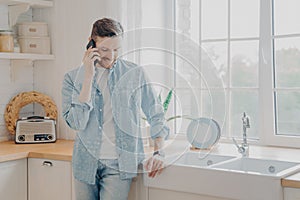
x=130 y=92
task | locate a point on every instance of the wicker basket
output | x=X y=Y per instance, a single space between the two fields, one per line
x=13 y=108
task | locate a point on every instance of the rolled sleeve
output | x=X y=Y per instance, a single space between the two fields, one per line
x=85 y=105
x=75 y=113
x=159 y=131
x=154 y=111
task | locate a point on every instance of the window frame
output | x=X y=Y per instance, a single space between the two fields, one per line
x=267 y=77
x=266 y=86
x=229 y=89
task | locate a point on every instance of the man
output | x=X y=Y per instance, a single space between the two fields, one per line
x=101 y=100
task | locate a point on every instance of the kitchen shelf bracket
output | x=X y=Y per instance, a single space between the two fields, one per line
x=15 y=11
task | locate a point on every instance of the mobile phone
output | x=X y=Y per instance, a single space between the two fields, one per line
x=91 y=43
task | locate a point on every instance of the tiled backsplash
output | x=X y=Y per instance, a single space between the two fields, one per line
x=12 y=82
x=3 y=17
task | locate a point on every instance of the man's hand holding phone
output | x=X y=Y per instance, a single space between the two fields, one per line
x=91 y=57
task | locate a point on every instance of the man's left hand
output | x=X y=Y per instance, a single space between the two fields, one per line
x=154 y=165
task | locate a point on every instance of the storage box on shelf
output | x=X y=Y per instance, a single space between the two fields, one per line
x=33 y=37
x=33 y=29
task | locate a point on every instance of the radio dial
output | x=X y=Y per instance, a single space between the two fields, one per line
x=49 y=137
x=21 y=137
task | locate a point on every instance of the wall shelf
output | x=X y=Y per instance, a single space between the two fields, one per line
x=25 y=56
x=17 y=7
x=31 y=3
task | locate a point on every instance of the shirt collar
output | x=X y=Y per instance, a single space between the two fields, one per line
x=114 y=65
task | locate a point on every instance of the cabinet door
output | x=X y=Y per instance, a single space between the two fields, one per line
x=49 y=179
x=137 y=190
x=13 y=180
x=291 y=194
x=73 y=189
x=155 y=194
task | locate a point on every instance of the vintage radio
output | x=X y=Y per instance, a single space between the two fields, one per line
x=35 y=129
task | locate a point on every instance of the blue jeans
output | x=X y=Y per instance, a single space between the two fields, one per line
x=108 y=184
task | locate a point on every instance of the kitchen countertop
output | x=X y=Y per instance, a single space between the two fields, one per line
x=62 y=150
x=292 y=181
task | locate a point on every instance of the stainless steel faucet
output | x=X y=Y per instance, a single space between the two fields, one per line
x=246 y=124
x=244 y=147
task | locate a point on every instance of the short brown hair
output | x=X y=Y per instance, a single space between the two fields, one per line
x=106 y=27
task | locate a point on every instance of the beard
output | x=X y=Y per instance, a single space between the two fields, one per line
x=105 y=62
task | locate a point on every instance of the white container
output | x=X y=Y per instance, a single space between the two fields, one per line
x=34 y=29
x=39 y=45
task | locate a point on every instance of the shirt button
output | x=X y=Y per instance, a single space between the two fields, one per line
x=100 y=110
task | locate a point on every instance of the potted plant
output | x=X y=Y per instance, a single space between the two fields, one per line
x=165 y=105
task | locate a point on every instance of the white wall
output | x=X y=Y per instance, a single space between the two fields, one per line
x=13 y=80
x=70 y=23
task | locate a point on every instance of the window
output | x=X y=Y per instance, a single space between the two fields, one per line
x=285 y=64
x=250 y=62
x=232 y=46
x=286 y=40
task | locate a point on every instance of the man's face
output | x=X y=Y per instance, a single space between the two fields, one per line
x=108 y=48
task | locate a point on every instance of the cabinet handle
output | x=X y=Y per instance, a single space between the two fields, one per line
x=47 y=164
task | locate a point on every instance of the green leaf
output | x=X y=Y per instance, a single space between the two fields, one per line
x=168 y=100
x=179 y=116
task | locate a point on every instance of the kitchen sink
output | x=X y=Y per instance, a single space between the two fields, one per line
x=259 y=166
x=224 y=176
x=197 y=159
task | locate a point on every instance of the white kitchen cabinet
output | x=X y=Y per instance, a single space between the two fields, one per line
x=49 y=179
x=13 y=180
x=73 y=189
x=291 y=193
x=134 y=193
x=138 y=191
x=155 y=194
